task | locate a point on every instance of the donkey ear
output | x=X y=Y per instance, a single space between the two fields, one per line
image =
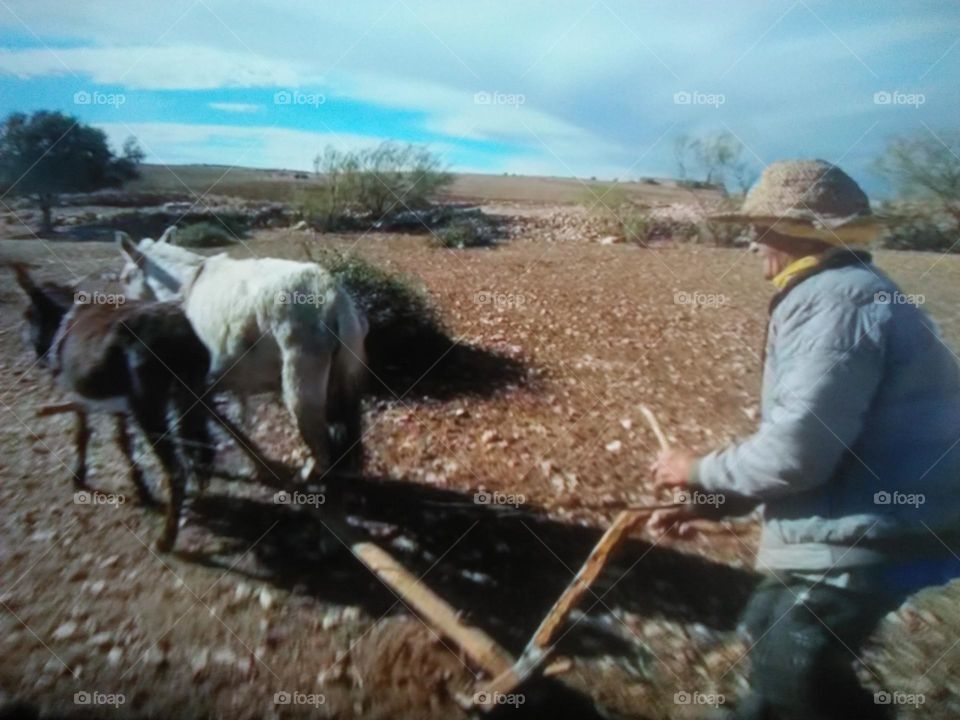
x=129 y=250
x=23 y=278
x=168 y=234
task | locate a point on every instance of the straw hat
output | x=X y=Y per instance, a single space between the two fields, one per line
x=808 y=199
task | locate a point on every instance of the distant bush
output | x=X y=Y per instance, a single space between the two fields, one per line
x=465 y=234
x=203 y=235
x=373 y=183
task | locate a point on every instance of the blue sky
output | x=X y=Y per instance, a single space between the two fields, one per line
x=586 y=88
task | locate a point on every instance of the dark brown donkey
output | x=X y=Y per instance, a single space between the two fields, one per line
x=138 y=358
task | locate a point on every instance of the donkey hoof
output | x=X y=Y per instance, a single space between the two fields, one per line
x=147 y=502
x=164 y=545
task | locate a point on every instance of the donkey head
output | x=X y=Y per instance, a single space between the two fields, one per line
x=48 y=304
x=142 y=277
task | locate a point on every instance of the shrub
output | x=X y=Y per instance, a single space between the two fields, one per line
x=403 y=322
x=465 y=234
x=204 y=235
x=372 y=183
x=919 y=226
x=408 y=346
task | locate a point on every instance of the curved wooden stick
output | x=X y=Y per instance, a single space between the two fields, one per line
x=655 y=426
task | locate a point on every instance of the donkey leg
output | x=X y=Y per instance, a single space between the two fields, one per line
x=344 y=413
x=197 y=445
x=81 y=438
x=123 y=440
x=150 y=410
x=305 y=376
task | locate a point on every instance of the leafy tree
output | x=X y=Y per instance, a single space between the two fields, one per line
x=49 y=153
x=717 y=158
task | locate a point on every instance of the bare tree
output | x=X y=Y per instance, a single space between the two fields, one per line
x=924 y=166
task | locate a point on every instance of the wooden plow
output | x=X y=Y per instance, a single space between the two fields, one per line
x=507 y=673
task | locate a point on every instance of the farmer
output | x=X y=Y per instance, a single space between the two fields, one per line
x=856 y=462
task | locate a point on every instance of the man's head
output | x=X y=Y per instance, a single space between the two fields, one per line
x=778 y=251
x=804 y=207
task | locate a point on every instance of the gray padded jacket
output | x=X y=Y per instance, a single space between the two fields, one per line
x=857 y=458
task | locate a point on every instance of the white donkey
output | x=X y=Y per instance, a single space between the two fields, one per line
x=271 y=325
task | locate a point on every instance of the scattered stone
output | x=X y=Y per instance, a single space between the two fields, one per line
x=65 y=631
x=266 y=599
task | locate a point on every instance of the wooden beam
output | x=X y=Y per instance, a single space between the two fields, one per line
x=482 y=649
x=58 y=408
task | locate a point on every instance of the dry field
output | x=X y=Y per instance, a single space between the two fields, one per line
x=262 y=598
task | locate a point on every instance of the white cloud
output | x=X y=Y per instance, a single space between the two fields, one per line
x=172 y=67
x=268 y=147
x=232 y=107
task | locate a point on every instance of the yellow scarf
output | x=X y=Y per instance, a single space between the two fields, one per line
x=797 y=266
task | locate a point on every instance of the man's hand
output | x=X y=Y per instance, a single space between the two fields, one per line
x=671 y=469
x=674 y=522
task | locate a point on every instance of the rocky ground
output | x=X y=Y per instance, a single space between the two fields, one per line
x=263 y=611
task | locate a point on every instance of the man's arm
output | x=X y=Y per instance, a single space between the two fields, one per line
x=829 y=372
